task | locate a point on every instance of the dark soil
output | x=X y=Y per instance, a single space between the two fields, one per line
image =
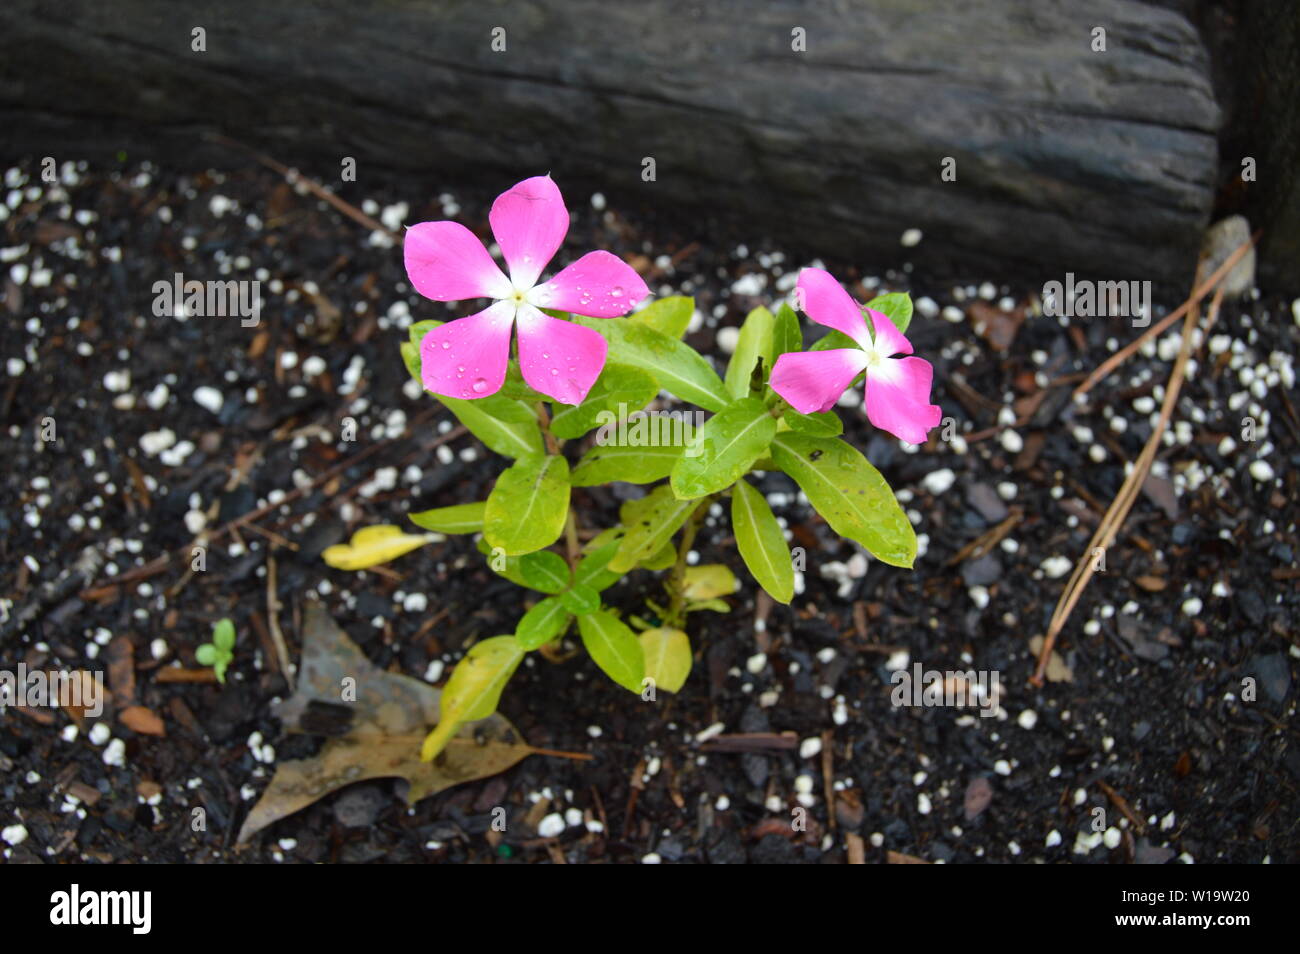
x=1152 y=727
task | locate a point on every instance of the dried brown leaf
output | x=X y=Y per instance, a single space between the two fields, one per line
x=376 y=736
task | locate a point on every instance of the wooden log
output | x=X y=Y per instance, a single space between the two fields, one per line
x=1066 y=158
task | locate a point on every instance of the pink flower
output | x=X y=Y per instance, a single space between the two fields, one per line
x=468 y=357
x=898 y=389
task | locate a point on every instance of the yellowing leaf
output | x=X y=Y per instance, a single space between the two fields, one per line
x=474 y=689
x=667 y=657
x=371 y=546
x=707 y=581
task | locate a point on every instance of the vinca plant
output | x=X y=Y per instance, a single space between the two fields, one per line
x=555 y=375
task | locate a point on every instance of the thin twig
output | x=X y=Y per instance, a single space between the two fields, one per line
x=1127 y=496
x=1119 y=357
x=273 y=621
x=294 y=178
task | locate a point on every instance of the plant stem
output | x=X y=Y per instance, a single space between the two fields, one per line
x=544 y=419
x=571 y=537
x=676 y=585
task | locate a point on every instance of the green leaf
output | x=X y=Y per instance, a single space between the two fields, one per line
x=849 y=493
x=619 y=391
x=650 y=522
x=723 y=449
x=675 y=365
x=667 y=657
x=474 y=689
x=753 y=345
x=542 y=623
x=411 y=358
x=528 y=504
x=623 y=458
x=223 y=635
x=817 y=424
x=515 y=387
x=668 y=316
x=545 y=571
x=504 y=425
x=896 y=306
x=219 y=668
x=662 y=560
x=591 y=570
x=462 y=518
x=787 y=336
x=715 y=604
x=834 y=340
x=415 y=334
x=535 y=571
x=706 y=581
x=206 y=655
x=761 y=543
x=581 y=600
x=502 y=565
x=614 y=648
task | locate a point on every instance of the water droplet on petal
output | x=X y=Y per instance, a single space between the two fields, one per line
x=617 y=291
x=446 y=344
x=480 y=385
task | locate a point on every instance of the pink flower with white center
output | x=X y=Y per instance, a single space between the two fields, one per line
x=468 y=357
x=898 y=389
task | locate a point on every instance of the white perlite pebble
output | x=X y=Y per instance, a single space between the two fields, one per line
x=1027 y=719
x=1011 y=442
x=810 y=747
x=1055 y=567
x=756 y=663
x=14 y=834
x=551 y=826
x=1261 y=471
x=1053 y=838
x=1192 y=607
x=911 y=238
x=115 y=753
x=155 y=442
x=117 y=381
x=100 y=733
x=209 y=398
x=727 y=339
x=939 y=481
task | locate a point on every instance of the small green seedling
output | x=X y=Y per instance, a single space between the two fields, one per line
x=221 y=651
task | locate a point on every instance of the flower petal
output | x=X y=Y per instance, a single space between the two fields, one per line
x=529 y=222
x=559 y=358
x=898 y=398
x=467 y=358
x=827 y=303
x=598 y=285
x=446 y=262
x=889 y=340
x=814 y=380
